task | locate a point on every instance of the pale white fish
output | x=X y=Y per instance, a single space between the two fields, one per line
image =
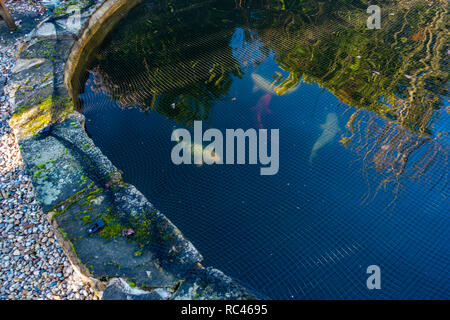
x=329 y=131
x=207 y=156
x=260 y=83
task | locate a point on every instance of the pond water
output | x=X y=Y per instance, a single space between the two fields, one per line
x=374 y=192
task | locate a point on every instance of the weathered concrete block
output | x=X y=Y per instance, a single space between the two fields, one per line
x=175 y=253
x=211 y=284
x=56 y=30
x=39 y=97
x=64 y=161
x=47 y=49
x=155 y=255
x=107 y=253
x=118 y=289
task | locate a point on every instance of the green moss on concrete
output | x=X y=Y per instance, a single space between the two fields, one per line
x=71 y=201
x=111 y=231
x=142 y=226
x=86 y=219
x=66 y=237
x=28 y=120
x=114 y=264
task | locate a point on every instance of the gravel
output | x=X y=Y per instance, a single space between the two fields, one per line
x=24 y=6
x=32 y=263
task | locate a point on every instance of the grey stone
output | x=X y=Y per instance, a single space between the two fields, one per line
x=48 y=49
x=174 y=251
x=63 y=162
x=144 y=257
x=2 y=83
x=211 y=284
x=59 y=29
x=24 y=64
x=118 y=289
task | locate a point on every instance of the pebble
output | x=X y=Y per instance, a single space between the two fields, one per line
x=32 y=262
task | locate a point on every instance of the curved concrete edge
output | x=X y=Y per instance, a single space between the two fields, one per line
x=77 y=185
x=99 y=25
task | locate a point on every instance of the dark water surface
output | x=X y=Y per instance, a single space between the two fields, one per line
x=376 y=193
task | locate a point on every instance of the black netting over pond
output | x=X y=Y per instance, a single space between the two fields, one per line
x=363 y=118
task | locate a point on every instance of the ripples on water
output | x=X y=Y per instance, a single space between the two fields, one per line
x=377 y=193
